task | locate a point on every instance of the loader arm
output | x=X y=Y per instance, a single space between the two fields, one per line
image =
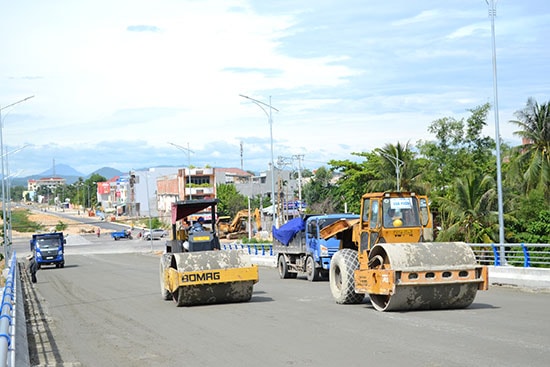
x=340 y=225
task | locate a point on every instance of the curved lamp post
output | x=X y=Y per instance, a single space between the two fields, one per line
x=263 y=106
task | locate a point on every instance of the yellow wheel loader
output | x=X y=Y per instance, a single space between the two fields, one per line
x=386 y=257
x=194 y=271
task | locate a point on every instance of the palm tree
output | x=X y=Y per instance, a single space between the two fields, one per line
x=533 y=160
x=470 y=215
x=398 y=169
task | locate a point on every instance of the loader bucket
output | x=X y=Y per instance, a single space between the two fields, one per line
x=416 y=276
x=207 y=277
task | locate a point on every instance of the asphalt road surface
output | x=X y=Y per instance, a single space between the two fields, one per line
x=104 y=309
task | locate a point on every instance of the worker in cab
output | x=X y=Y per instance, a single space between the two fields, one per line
x=198 y=225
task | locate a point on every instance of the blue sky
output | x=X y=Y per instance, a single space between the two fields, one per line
x=115 y=82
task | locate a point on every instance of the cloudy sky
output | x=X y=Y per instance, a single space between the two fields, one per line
x=115 y=82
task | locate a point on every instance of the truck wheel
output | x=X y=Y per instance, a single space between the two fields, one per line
x=341 y=278
x=62 y=265
x=283 y=268
x=116 y=238
x=313 y=274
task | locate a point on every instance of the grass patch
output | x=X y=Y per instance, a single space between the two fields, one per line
x=20 y=221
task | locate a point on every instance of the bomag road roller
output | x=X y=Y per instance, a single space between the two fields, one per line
x=383 y=253
x=193 y=269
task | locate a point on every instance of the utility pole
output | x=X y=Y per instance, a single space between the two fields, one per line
x=189 y=151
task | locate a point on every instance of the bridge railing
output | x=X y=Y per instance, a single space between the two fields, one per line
x=7 y=315
x=516 y=254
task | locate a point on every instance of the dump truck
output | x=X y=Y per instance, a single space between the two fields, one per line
x=299 y=248
x=193 y=269
x=49 y=249
x=383 y=253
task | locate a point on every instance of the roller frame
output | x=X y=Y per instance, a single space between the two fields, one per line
x=410 y=276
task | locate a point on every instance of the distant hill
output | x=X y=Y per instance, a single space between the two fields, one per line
x=68 y=173
x=61 y=170
x=107 y=172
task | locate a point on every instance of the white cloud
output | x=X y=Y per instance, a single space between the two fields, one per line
x=114 y=82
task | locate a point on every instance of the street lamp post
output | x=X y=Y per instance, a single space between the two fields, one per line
x=4 y=219
x=398 y=164
x=263 y=105
x=189 y=151
x=492 y=14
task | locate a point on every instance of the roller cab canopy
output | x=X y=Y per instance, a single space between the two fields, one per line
x=182 y=209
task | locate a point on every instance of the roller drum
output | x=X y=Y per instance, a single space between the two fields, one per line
x=428 y=275
x=219 y=292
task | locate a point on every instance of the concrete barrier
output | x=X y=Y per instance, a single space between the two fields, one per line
x=535 y=278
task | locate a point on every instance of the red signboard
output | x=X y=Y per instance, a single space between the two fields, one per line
x=103 y=188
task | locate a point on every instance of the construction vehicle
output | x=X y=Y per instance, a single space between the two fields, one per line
x=238 y=226
x=194 y=271
x=49 y=249
x=299 y=248
x=382 y=254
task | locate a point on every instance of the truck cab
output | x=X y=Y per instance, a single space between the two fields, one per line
x=300 y=248
x=320 y=249
x=49 y=249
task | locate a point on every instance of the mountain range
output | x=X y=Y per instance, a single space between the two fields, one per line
x=68 y=173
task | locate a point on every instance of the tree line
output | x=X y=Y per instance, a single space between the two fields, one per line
x=457 y=170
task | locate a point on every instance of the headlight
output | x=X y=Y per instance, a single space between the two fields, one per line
x=324 y=251
x=38 y=254
x=60 y=252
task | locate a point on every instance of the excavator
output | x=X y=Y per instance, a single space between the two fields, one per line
x=193 y=269
x=386 y=257
x=238 y=227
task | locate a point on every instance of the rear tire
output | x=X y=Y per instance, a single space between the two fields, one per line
x=283 y=268
x=341 y=278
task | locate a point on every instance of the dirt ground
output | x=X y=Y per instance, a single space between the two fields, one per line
x=50 y=220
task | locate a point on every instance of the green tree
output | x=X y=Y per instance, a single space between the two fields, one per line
x=533 y=158
x=459 y=148
x=318 y=192
x=396 y=159
x=230 y=200
x=353 y=181
x=469 y=216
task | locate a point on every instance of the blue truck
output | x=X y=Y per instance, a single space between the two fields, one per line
x=125 y=233
x=299 y=248
x=49 y=249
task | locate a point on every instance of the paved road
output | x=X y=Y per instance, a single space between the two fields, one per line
x=105 y=309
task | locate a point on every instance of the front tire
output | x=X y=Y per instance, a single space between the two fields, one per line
x=341 y=278
x=313 y=274
x=165 y=294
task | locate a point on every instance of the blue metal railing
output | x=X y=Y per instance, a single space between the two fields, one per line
x=259 y=249
x=517 y=254
x=7 y=314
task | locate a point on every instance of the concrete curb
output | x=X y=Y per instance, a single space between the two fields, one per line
x=535 y=278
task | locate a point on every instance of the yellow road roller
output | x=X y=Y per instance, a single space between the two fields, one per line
x=193 y=269
x=387 y=257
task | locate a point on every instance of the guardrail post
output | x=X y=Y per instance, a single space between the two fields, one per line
x=496 y=254
x=526 y=258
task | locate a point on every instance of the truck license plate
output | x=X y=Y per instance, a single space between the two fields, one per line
x=49 y=257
